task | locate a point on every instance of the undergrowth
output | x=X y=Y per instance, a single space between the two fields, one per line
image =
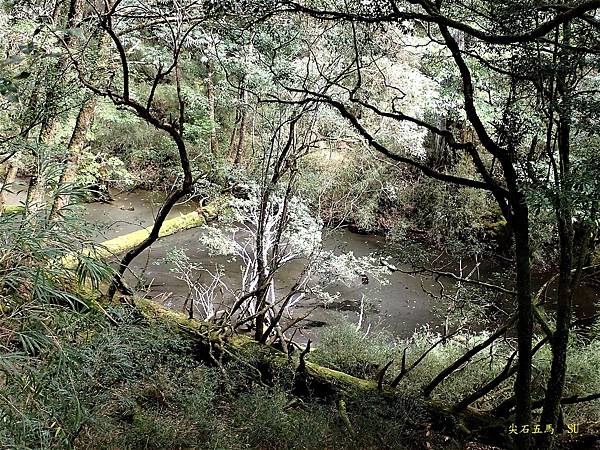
x=344 y=347
x=140 y=385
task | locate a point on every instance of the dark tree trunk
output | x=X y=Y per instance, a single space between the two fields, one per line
x=520 y=225
x=241 y=137
x=564 y=215
x=210 y=96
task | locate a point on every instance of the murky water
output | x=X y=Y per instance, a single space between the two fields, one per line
x=400 y=306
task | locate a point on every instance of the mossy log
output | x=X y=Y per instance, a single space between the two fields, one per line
x=95 y=295
x=243 y=344
x=171 y=226
x=128 y=241
x=317 y=380
x=13 y=209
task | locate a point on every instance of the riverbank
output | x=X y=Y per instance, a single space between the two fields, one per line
x=375 y=358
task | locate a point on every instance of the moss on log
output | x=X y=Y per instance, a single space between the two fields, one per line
x=13 y=209
x=245 y=345
x=170 y=226
x=319 y=380
x=128 y=241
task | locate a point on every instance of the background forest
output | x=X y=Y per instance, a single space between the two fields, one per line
x=306 y=224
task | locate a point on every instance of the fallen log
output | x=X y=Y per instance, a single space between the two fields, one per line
x=126 y=242
x=313 y=379
x=121 y=244
x=136 y=244
x=194 y=219
x=13 y=209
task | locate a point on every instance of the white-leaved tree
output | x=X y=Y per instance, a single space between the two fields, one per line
x=290 y=233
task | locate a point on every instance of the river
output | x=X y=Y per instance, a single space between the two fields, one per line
x=400 y=306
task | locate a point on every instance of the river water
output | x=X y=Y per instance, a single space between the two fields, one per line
x=400 y=306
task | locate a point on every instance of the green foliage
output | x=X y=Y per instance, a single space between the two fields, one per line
x=451 y=214
x=148 y=153
x=198 y=125
x=126 y=151
x=96 y=170
x=269 y=413
x=31 y=258
x=343 y=347
x=138 y=385
x=89 y=385
x=350 y=187
x=69 y=379
x=582 y=377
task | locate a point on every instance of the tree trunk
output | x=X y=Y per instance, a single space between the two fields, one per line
x=261 y=264
x=239 y=151
x=564 y=215
x=32 y=201
x=36 y=192
x=516 y=213
x=165 y=209
x=76 y=145
x=47 y=131
x=74 y=13
x=10 y=177
x=560 y=338
x=520 y=224
x=57 y=11
x=36 y=195
x=210 y=95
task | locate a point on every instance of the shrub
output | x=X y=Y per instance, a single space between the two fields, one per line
x=270 y=420
x=343 y=347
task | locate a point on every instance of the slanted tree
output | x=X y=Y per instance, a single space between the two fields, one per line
x=172 y=24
